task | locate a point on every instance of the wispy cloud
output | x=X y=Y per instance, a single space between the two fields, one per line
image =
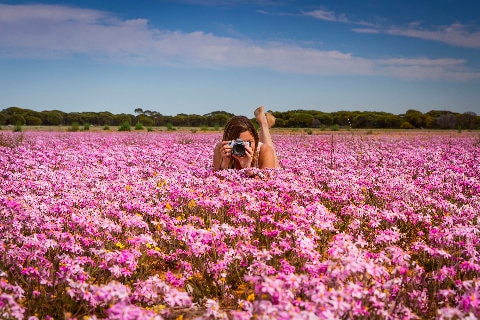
x=426 y=68
x=231 y=2
x=333 y=16
x=59 y=32
x=366 y=30
x=327 y=15
x=455 y=34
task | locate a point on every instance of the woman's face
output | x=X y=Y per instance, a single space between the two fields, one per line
x=248 y=137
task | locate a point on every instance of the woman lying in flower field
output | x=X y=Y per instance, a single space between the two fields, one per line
x=114 y=226
x=243 y=147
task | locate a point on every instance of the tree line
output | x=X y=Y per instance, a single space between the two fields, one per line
x=434 y=119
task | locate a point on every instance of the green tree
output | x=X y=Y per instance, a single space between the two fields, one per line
x=15 y=110
x=73 y=117
x=54 y=117
x=418 y=119
x=342 y=118
x=122 y=118
x=16 y=119
x=324 y=118
x=105 y=118
x=3 y=118
x=468 y=120
x=301 y=120
x=392 y=121
x=145 y=120
x=363 y=120
x=446 y=121
x=33 y=120
x=218 y=118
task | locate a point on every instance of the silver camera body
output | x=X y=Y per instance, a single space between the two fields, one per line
x=238 y=147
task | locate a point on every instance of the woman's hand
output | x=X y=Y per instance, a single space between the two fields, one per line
x=223 y=157
x=225 y=154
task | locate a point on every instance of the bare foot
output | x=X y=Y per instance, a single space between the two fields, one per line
x=259 y=114
x=270 y=119
x=264 y=117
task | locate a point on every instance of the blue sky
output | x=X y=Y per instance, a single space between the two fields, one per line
x=199 y=56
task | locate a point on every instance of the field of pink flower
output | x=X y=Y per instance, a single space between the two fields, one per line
x=138 y=226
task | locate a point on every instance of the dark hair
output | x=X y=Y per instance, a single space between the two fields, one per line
x=238 y=124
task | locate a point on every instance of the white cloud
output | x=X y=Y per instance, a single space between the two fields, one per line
x=456 y=34
x=334 y=17
x=46 y=32
x=426 y=68
x=366 y=30
x=42 y=31
x=325 y=15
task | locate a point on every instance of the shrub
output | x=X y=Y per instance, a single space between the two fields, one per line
x=125 y=126
x=139 y=126
x=75 y=127
x=406 y=125
x=17 y=128
x=335 y=127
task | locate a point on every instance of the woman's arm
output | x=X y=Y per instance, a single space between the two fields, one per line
x=221 y=156
x=266 y=158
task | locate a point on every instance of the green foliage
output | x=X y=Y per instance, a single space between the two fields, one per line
x=299 y=118
x=75 y=127
x=54 y=118
x=406 y=125
x=106 y=127
x=418 y=119
x=139 y=126
x=17 y=119
x=145 y=120
x=86 y=127
x=120 y=119
x=17 y=128
x=33 y=120
x=125 y=126
x=335 y=127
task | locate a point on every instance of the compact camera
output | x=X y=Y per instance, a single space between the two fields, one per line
x=238 y=147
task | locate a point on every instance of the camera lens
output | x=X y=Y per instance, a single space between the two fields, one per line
x=238 y=149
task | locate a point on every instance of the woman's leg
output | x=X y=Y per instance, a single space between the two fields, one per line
x=266 y=121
